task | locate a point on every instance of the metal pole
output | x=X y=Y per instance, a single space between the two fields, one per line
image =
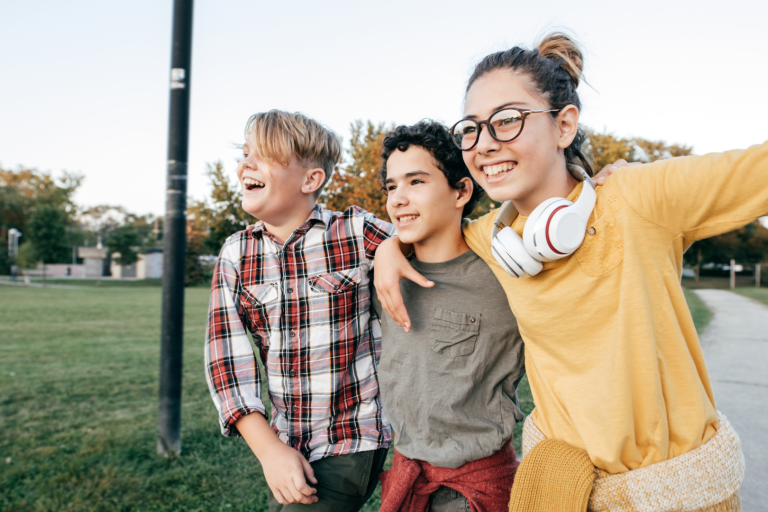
x=733 y=274
x=171 y=344
x=757 y=276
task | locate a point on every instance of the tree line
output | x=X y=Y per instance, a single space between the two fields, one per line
x=43 y=209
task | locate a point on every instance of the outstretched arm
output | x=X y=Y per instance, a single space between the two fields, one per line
x=700 y=196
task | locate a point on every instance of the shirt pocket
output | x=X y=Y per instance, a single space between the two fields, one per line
x=263 y=293
x=263 y=306
x=453 y=334
x=337 y=282
x=602 y=249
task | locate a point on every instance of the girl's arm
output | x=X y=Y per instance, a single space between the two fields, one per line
x=699 y=196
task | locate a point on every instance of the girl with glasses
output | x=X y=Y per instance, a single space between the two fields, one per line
x=625 y=416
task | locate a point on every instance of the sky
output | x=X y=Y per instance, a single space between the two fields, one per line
x=85 y=84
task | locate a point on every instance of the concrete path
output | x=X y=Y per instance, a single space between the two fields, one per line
x=735 y=348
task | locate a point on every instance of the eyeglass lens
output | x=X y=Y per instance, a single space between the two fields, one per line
x=504 y=126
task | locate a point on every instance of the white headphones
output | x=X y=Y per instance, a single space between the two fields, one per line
x=554 y=230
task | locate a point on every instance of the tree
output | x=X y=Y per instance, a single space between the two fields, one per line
x=194 y=273
x=222 y=214
x=24 y=191
x=125 y=240
x=356 y=182
x=47 y=232
x=748 y=244
x=606 y=148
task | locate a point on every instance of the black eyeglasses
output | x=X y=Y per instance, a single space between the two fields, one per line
x=504 y=125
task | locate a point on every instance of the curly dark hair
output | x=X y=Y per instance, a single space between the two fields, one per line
x=434 y=138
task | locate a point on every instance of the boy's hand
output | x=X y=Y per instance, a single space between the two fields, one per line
x=391 y=266
x=600 y=177
x=287 y=471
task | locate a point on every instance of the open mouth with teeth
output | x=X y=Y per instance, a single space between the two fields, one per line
x=498 y=170
x=252 y=184
x=406 y=219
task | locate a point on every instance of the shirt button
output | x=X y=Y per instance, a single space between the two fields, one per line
x=295 y=408
x=290 y=290
x=591 y=231
x=293 y=334
x=292 y=373
x=472 y=319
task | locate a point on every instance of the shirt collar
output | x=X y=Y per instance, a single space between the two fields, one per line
x=317 y=215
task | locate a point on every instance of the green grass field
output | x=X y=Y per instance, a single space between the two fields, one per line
x=105 y=283
x=78 y=408
x=699 y=311
x=759 y=294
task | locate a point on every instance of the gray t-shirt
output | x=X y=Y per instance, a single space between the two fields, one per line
x=448 y=386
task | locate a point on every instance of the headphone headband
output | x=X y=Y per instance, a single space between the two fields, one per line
x=508 y=213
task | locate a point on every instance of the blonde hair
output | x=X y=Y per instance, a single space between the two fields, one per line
x=279 y=135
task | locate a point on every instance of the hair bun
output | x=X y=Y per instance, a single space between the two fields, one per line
x=558 y=45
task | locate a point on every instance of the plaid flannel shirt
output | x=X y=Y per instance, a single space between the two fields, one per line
x=307 y=305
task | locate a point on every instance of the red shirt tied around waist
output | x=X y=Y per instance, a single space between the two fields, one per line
x=486 y=483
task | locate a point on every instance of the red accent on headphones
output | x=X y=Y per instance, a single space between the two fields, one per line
x=546 y=230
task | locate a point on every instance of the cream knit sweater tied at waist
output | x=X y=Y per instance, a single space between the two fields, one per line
x=705 y=479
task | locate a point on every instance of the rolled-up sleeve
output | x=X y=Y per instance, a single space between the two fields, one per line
x=232 y=371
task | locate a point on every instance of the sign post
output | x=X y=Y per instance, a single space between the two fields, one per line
x=175 y=228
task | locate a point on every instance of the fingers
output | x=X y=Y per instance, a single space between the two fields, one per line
x=279 y=497
x=300 y=483
x=308 y=471
x=410 y=273
x=392 y=302
x=600 y=178
x=296 y=496
x=401 y=316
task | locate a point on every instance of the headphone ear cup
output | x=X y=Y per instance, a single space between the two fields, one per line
x=537 y=243
x=509 y=251
x=566 y=231
x=505 y=261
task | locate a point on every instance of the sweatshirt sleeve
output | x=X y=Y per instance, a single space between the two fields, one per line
x=477 y=234
x=699 y=196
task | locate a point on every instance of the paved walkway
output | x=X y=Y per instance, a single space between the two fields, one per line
x=735 y=347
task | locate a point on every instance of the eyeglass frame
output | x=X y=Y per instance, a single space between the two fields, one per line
x=491 y=131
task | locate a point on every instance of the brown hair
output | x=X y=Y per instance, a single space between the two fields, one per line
x=280 y=135
x=554 y=69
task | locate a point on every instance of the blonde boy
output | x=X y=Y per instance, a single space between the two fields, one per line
x=298 y=281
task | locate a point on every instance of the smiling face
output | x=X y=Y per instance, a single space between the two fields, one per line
x=424 y=208
x=272 y=191
x=530 y=168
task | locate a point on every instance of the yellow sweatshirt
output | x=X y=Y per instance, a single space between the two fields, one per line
x=612 y=355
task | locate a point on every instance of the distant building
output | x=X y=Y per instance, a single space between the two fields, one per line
x=98 y=263
x=148 y=266
x=95 y=261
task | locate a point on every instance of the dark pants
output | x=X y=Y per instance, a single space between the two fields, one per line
x=344 y=483
x=446 y=499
